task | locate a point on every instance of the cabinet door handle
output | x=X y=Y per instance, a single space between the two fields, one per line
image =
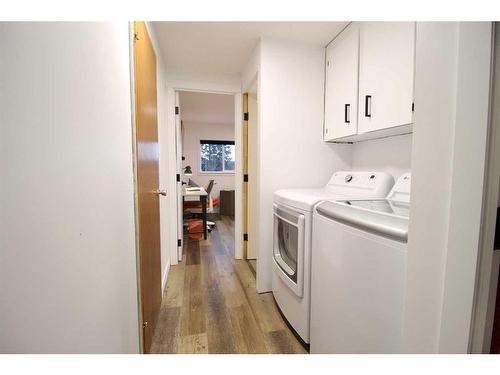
x=347 y=113
x=368 y=106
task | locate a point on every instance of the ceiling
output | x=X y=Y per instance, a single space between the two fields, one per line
x=205 y=108
x=225 y=47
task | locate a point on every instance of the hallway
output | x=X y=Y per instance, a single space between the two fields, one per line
x=211 y=305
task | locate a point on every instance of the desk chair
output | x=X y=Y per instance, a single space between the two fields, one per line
x=195 y=207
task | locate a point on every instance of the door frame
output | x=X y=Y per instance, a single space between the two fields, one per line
x=488 y=261
x=178 y=171
x=251 y=85
x=244 y=195
x=173 y=87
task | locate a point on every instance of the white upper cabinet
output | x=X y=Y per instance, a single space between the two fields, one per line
x=341 y=89
x=369 y=81
x=386 y=72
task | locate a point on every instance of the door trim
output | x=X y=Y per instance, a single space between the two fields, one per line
x=233 y=89
x=244 y=181
x=136 y=196
x=488 y=262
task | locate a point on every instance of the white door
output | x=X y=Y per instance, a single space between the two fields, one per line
x=341 y=92
x=253 y=186
x=386 y=72
x=178 y=142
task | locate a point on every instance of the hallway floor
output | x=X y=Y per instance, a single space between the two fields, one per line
x=211 y=305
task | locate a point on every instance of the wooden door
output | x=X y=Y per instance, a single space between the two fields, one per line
x=341 y=91
x=386 y=72
x=245 y=175
x=147 y=180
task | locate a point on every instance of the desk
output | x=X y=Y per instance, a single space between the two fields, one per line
x=194 y=195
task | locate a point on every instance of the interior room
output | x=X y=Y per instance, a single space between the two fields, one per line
x=250 y=187
x=208 y=153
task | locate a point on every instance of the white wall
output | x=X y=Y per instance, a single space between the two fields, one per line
x=193 y=133
x=291 y=150
x=436 y=71
x=217 y=83
x=251 y=70
x=452 y=81
x=467 y=184
x=164 y=169
x=391 y=155
x=68 y=258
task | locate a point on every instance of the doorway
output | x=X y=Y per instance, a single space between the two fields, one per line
x=207 y=164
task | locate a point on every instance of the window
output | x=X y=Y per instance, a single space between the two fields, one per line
x=217 y=156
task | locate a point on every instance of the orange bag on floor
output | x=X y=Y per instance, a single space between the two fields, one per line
x=195 y=228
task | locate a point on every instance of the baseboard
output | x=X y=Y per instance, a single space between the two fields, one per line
x=164 y=277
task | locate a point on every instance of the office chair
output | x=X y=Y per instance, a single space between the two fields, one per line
x=195 y=207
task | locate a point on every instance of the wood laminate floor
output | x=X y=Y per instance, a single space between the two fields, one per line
x=211 y=304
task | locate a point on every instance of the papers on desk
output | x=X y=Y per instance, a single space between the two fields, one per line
x=193 y=193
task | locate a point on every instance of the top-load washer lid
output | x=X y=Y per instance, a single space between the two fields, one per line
x=342 y=185
x=387 y=206
x=386 y=217
x=383 y=217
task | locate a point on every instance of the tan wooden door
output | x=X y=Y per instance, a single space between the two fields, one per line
x=147 y=180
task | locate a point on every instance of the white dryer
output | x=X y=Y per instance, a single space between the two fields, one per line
x=293 y=235
x=359 y=273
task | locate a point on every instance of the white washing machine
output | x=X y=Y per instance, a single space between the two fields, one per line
x=292 y=238
x=359 y=273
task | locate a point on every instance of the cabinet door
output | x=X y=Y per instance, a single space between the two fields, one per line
x=386 y=72
x=341 y=89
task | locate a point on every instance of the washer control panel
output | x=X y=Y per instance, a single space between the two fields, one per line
x=361 y=183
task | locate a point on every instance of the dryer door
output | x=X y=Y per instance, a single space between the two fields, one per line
x=288 y=247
